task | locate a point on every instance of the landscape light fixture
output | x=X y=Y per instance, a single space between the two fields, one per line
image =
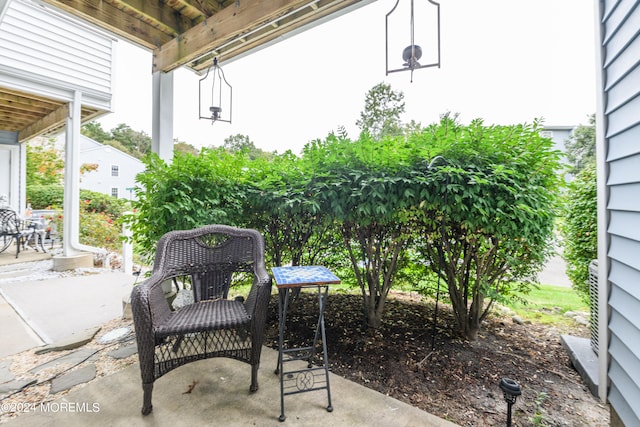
x=424 y=26
x=511 y=391
x=218 y=108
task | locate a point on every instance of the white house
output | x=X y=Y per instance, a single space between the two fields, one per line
x=116 y=171
x=558 y=134
x=55 y=74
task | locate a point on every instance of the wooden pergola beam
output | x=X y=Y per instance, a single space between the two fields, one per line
x=151 y=33
x=250 y=24
x=45 y=123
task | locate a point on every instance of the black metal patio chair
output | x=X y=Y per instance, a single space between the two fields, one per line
x=212 y=326
x=12 y=230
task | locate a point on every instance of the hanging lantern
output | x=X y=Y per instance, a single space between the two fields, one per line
x=421 y=49
x=215 y=95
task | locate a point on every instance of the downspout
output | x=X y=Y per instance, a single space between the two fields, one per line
x=71 y=231
x=602 y=173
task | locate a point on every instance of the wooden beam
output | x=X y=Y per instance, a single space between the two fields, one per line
x=222 y=27
x=274 y=30
x=160 y=14
x=45 y=124
x=205 y=8
x=106 y=16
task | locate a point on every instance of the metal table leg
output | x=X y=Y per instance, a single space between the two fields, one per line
x=305 y=380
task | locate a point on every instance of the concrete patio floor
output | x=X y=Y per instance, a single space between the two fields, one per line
x=220 y=397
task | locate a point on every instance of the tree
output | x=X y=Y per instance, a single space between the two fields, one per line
x=94 y=131
x=239 y=143
x=122 y=137
x=486 y=212
x=190 y=192
x=138 y=144
x=358 y=187
x=382 y=109
x=581 y=146
x=295 y=230
x=183 y=147
x=45 y=164
x=580 y=225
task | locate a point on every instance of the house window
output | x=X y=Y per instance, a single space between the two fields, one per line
x=115 y=170
x=114 y=192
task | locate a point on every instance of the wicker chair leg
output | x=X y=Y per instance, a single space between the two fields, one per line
x=254 y=378
x=146 y=400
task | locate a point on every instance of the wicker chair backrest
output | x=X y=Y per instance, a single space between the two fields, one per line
x=209 y=256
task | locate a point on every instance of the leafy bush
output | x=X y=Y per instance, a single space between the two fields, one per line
x=52 y=196
x=580 y=229
x=103 y=203
x=379 y=205
x=486 y=213
x=100 y=230
x=190 y=192
x=99 y=214
x=45 y=196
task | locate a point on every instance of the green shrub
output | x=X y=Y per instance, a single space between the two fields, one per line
x=45 y=196
x=103 y=203
x=580 y=229
x=100 y=230
x=99 y=214
x=190 y=192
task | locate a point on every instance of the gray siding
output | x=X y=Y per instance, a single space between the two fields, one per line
x=621 y=98
x=9 y=138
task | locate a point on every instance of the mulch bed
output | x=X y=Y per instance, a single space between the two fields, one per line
x=456 y=379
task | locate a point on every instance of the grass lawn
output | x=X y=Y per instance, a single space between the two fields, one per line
x=548 y=303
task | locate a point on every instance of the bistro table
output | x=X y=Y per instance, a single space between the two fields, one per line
x=312 y=378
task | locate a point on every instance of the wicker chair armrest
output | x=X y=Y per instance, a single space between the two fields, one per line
x=262 y=276
x=150 y=308
x=260 y=292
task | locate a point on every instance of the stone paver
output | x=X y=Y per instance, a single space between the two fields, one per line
x=73 y=378
x=73 y=341
x=5 y=373
x=16 y=385
x=124 y=352
x=71 y=359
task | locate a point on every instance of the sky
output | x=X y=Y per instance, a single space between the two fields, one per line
x=505 y=61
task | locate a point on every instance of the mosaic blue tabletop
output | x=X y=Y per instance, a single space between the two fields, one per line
x=304 y=275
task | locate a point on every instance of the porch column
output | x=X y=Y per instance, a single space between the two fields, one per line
x=162 y=120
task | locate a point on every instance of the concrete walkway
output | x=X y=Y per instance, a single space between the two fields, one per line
x=55 y=308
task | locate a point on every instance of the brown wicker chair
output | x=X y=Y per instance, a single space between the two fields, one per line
x=212 y=326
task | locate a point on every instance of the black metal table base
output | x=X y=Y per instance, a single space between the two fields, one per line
x=309 y=379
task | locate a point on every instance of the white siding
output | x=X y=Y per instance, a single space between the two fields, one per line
x=620 y=40
x=101 y=180
x=42 y=46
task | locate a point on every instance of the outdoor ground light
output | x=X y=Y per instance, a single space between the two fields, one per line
x=422 y=48
x=217 y=108
x=511 y=391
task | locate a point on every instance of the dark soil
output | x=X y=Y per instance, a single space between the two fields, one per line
x=458 y=380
